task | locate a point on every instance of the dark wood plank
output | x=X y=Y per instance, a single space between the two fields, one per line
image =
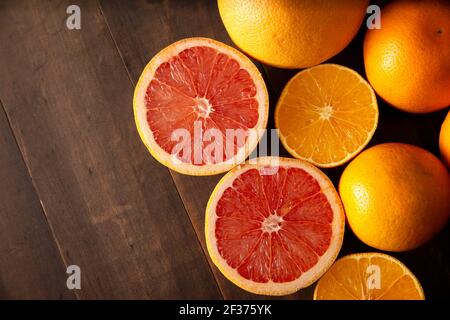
x=113 y=209
x=141 y=29
x=30 y=265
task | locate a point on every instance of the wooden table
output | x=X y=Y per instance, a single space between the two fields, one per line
x=78 y=187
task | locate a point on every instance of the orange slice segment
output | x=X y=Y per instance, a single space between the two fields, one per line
x=326 y=115
x=368 y=276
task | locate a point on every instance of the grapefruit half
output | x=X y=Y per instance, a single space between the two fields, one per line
x=274 y=226
x=200 y=106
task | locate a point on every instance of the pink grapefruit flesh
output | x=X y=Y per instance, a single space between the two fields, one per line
x=200 y=86
x=274 y=228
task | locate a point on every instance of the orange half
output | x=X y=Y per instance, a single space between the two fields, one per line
x=326 y=115
x=368 y=276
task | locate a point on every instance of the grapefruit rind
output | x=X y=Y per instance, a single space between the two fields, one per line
x=369 y=255
x=325 y=261
x=349 y=156
x=140 y=109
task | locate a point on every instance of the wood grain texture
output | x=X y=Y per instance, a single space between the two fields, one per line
x=113 y=209
x=30 y=263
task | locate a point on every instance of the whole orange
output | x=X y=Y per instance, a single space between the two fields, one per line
x=407 y=61
x=292 y=33
x=444 y=140
x=396 y=196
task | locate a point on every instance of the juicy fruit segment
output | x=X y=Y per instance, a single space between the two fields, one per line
x=272 y=225
x=292 y=230
x=368 y=276
x=200 y=84
x=326 y=115
x=196 y=103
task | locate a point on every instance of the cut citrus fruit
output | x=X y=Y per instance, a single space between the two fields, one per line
x=326 y=115
x=274 y=225
x=368 y=276
x=200 y=106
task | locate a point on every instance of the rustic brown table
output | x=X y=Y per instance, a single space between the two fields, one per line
x=77 y=186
